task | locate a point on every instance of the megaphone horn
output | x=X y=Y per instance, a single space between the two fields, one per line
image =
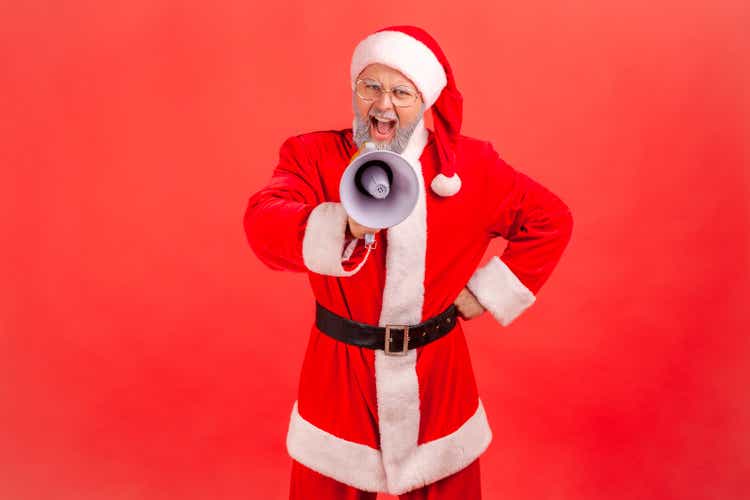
x=378 y=189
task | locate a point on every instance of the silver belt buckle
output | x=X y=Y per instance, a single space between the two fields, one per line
x=398 y=352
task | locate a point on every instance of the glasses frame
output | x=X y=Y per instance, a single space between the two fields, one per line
x=385 y=91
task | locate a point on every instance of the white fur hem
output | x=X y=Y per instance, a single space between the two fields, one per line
x=442 y=457
x=362 y=467
x=500 y=291
x=351 y=463
x=406 y=54
x=323 y=243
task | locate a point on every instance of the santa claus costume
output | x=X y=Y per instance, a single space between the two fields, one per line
x=365 y=420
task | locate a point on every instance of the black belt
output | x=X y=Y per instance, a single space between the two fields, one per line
x=386 y=338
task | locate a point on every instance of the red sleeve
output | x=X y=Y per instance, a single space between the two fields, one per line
x=538 y=226
x=290 y=227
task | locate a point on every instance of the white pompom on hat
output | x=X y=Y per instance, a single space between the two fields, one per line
x=413 y=52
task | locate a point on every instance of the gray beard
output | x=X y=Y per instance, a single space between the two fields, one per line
x=400 y=139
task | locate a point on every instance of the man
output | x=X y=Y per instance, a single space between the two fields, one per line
x=382 y=407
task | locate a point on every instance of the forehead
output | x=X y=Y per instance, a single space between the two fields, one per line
x=385 y=74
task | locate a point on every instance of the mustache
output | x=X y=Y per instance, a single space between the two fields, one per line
x=387 y=115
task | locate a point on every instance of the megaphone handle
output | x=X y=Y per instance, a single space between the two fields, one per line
x=370 y=239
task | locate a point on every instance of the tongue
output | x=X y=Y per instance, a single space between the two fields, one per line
x=384 y=127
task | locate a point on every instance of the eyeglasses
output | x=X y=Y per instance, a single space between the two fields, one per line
x=371 y=90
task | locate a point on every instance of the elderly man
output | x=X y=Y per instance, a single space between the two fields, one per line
x=387 y=399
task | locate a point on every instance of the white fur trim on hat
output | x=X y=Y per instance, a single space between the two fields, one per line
x=406 y=54
x=446 y=186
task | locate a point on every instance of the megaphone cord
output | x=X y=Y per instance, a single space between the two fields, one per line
x=341 y=287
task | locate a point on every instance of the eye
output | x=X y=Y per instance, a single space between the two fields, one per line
x=401 y=92
x=371 y=84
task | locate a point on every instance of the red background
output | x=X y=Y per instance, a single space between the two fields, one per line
x=147 y=354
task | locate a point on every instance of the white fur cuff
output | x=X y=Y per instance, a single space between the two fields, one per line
x=500 y=291
x=323 y=243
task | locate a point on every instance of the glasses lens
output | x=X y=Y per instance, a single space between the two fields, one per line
x=403 y=96
x=371 y=90
x=368 y=90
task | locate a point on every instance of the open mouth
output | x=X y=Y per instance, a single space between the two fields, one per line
x=382 y=130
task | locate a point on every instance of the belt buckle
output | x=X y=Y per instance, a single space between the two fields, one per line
x=399 y=352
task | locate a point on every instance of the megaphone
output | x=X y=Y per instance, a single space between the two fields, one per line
x=378 y=189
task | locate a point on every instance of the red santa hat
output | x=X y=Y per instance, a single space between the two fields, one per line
x=413 y=52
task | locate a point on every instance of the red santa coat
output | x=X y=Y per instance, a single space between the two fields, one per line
x=396 y=423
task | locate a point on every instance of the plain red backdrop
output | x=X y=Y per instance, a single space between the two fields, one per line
x=147 y=354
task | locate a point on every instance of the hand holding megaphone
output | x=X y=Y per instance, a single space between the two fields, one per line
x=358 y=230
x=378 y=190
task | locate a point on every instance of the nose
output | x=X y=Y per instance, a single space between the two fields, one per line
x=384 y=102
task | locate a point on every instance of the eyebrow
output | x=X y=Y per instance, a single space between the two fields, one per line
x=399 y=84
